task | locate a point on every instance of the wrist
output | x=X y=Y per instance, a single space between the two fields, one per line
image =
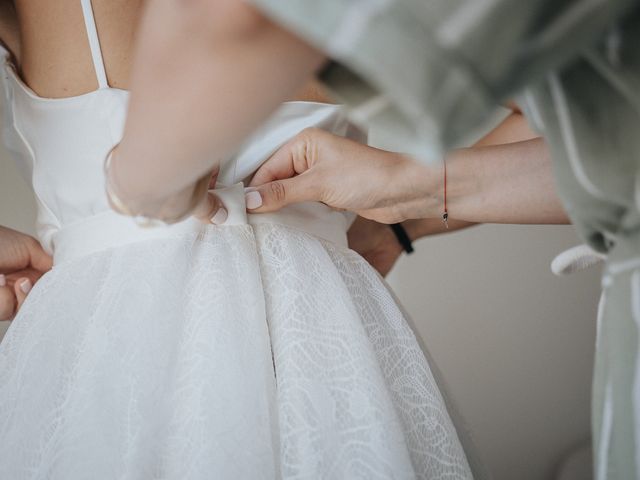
x=427 y=190
x=146 y=204
x=423 y=227
x=447 y=186
x=413 y=228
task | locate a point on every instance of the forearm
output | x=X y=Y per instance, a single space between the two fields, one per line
x=205 y=74
x=509 y=183
x=514 y=128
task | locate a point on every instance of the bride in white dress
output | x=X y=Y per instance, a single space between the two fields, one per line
x=260 y=349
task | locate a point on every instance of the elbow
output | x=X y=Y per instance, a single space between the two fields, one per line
x=222 y=20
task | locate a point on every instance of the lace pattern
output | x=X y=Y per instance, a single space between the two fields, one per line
x=243 y=353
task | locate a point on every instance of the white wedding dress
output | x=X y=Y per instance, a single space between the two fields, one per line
x=260 y=349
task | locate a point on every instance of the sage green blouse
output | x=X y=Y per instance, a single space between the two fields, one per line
x=427 y=73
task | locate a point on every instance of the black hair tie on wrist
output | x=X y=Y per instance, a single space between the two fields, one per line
x=327 y=70
x=402 y=236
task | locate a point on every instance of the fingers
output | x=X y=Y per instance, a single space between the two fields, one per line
x=290 y=160
x=211 y=210
x=8 y=300
x=288 y=177
x=280 y=166
x=214 y=178
x=11 y=299
x=40 y=260
x=280 y=193
x=22 y=287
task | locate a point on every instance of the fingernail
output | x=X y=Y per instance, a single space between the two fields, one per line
x=220 y=217
x=253 y=199
x=3 y=280
x=25 y=286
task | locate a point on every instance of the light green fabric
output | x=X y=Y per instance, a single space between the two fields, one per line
x=589 y=112
x=429 y=72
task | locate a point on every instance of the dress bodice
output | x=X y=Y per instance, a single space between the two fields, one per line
x=60 y=145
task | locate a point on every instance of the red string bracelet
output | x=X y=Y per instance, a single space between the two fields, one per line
x=445 y=214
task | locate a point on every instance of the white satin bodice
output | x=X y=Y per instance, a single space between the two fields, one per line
x=60 y=146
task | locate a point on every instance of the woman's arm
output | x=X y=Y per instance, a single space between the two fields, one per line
x=514 y=128
x=518 y=190
x=379 y=246
x=193 y=95
x=507 y=183
x=377 y=243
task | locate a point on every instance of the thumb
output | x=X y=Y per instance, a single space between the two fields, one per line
x=275 y=195
x=41 y=260
x=22 y=287
x=7 y=300
x=211 y=210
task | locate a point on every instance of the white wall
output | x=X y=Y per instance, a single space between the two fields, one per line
x=513 y=342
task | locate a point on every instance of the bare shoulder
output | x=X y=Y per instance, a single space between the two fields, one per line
x=56 y=58
x=313 y=91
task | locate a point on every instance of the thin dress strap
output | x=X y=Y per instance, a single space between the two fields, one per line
x=94 y=44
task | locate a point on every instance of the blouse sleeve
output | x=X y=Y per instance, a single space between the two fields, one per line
x=426 y=74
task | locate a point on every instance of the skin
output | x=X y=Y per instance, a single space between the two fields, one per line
x=22 y=263
x=505 y=183
x=49 y=46
x=227 y=53
x=229 y=45
x=230 y=56
x=504 y=178
x=174 y=37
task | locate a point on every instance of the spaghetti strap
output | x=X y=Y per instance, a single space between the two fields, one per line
x=94 y=44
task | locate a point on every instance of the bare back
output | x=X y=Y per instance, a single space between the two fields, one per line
x=51 y=49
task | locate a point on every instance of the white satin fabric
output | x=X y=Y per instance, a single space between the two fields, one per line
x=260 y=349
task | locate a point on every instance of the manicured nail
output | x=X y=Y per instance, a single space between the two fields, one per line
x=3 y=280
x=253 y=199
x=25 y=286
x=220 y=217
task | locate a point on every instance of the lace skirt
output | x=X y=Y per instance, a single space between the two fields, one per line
x=246 y=352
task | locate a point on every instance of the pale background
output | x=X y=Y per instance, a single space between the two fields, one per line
x=514 y=343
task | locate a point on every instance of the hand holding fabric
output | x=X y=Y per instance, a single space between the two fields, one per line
x=319 y=166
x=22 y=263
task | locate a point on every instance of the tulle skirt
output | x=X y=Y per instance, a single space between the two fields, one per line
x=241 y=352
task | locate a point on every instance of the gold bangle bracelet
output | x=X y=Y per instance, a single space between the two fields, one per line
x=144 y=219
